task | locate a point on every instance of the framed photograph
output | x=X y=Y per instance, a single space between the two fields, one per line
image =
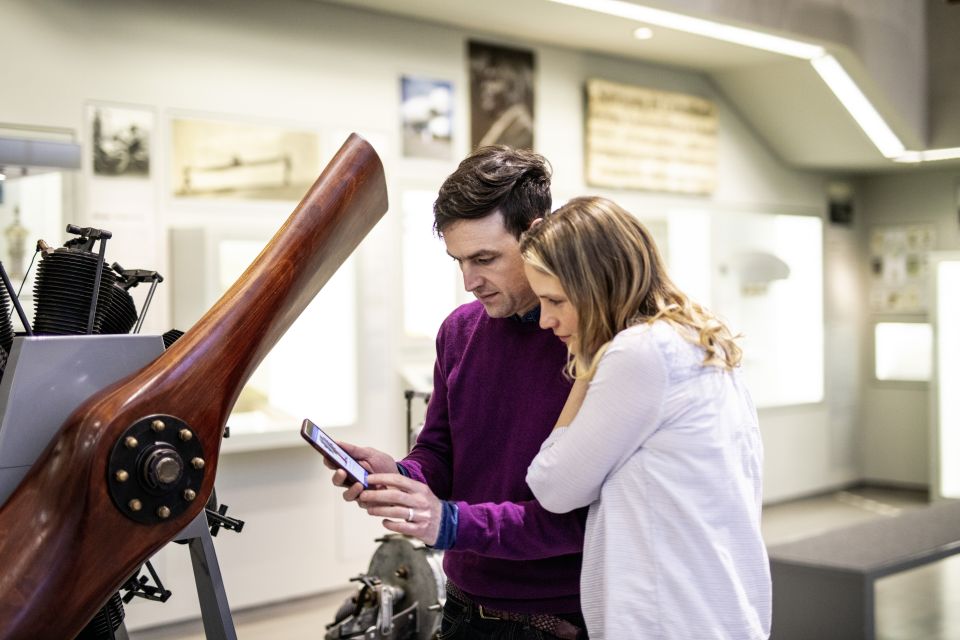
x=501 y=96
x=640 y=138
x=426 y=115
x=230 y=159
x=120 y=140
x=899 y=270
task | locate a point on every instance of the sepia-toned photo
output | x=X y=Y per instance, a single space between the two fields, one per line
x=501 y=96
x=120 y=140
x=640 y=138
x=899 y=270
x=223 y=159
x=426 y=112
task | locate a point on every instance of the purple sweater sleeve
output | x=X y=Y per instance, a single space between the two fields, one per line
x=513 y=530
x=518 y=530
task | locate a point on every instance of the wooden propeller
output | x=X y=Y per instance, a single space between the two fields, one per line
x=67 y=542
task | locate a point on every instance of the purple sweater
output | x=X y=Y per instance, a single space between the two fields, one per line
x=498 y=390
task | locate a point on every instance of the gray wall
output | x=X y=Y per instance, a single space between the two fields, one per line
x=895 y=417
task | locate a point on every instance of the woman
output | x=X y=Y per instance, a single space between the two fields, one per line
x=659 y=437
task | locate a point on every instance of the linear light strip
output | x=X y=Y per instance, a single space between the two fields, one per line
x=930 y=155
x=859 y=106
x=708 y=28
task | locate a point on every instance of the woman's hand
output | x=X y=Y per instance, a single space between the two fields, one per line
x=574 y=401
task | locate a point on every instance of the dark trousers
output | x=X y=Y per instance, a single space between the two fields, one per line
x=464 y=621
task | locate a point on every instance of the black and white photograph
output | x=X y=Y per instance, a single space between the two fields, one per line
x=426 y=112
x=120 y=140
x=230 y=159
x=501 y=96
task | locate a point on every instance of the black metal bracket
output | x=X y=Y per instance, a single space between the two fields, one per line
x=220 y=520
x=131 y=278
x=138 y=586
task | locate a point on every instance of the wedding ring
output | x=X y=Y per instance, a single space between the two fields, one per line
x=409 y=514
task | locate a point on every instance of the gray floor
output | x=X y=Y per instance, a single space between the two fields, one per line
x=922 y=604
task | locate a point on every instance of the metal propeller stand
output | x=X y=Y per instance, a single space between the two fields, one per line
x=217 y=621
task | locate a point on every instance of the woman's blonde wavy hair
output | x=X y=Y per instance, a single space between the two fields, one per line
x=612 y=273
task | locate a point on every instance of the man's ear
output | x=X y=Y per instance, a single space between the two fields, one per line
x=535 y=222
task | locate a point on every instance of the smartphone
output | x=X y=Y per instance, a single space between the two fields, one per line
x=333 y=452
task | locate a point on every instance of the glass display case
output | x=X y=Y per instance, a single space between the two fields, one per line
x=38 y=176
x=311 y=372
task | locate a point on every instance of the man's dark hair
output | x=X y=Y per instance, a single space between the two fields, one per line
x=514 y=181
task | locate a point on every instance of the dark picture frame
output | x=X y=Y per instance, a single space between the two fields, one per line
x=501 y=96
x=120 y=140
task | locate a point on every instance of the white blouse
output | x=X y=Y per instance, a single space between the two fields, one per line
x=667 y=454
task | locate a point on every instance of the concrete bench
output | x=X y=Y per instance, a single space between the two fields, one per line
x=823 y=585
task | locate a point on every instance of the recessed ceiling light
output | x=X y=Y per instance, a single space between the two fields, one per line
x=643 y=33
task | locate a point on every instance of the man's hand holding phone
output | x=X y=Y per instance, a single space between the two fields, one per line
x=371 y=459
x=352 y=464
x=370 y=476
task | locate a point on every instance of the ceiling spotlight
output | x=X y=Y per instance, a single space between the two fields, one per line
x=643 y=33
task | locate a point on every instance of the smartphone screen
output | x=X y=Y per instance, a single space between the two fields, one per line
x=333 y=452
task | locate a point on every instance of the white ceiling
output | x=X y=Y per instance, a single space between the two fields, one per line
x=782 y=98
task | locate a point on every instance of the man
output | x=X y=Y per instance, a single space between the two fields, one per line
x=512 y=567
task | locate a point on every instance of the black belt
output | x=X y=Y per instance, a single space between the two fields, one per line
x=554 y=625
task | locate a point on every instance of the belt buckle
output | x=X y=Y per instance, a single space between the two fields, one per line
x=485 y=615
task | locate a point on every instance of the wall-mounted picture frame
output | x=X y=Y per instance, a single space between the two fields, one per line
x=120 y=170
x=642 y=138
x=501 y=95
x=227 y=158
x=426 y=117
x=899 y=269
x=121 y=140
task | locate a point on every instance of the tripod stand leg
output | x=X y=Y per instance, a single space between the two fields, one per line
x=217 y=621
